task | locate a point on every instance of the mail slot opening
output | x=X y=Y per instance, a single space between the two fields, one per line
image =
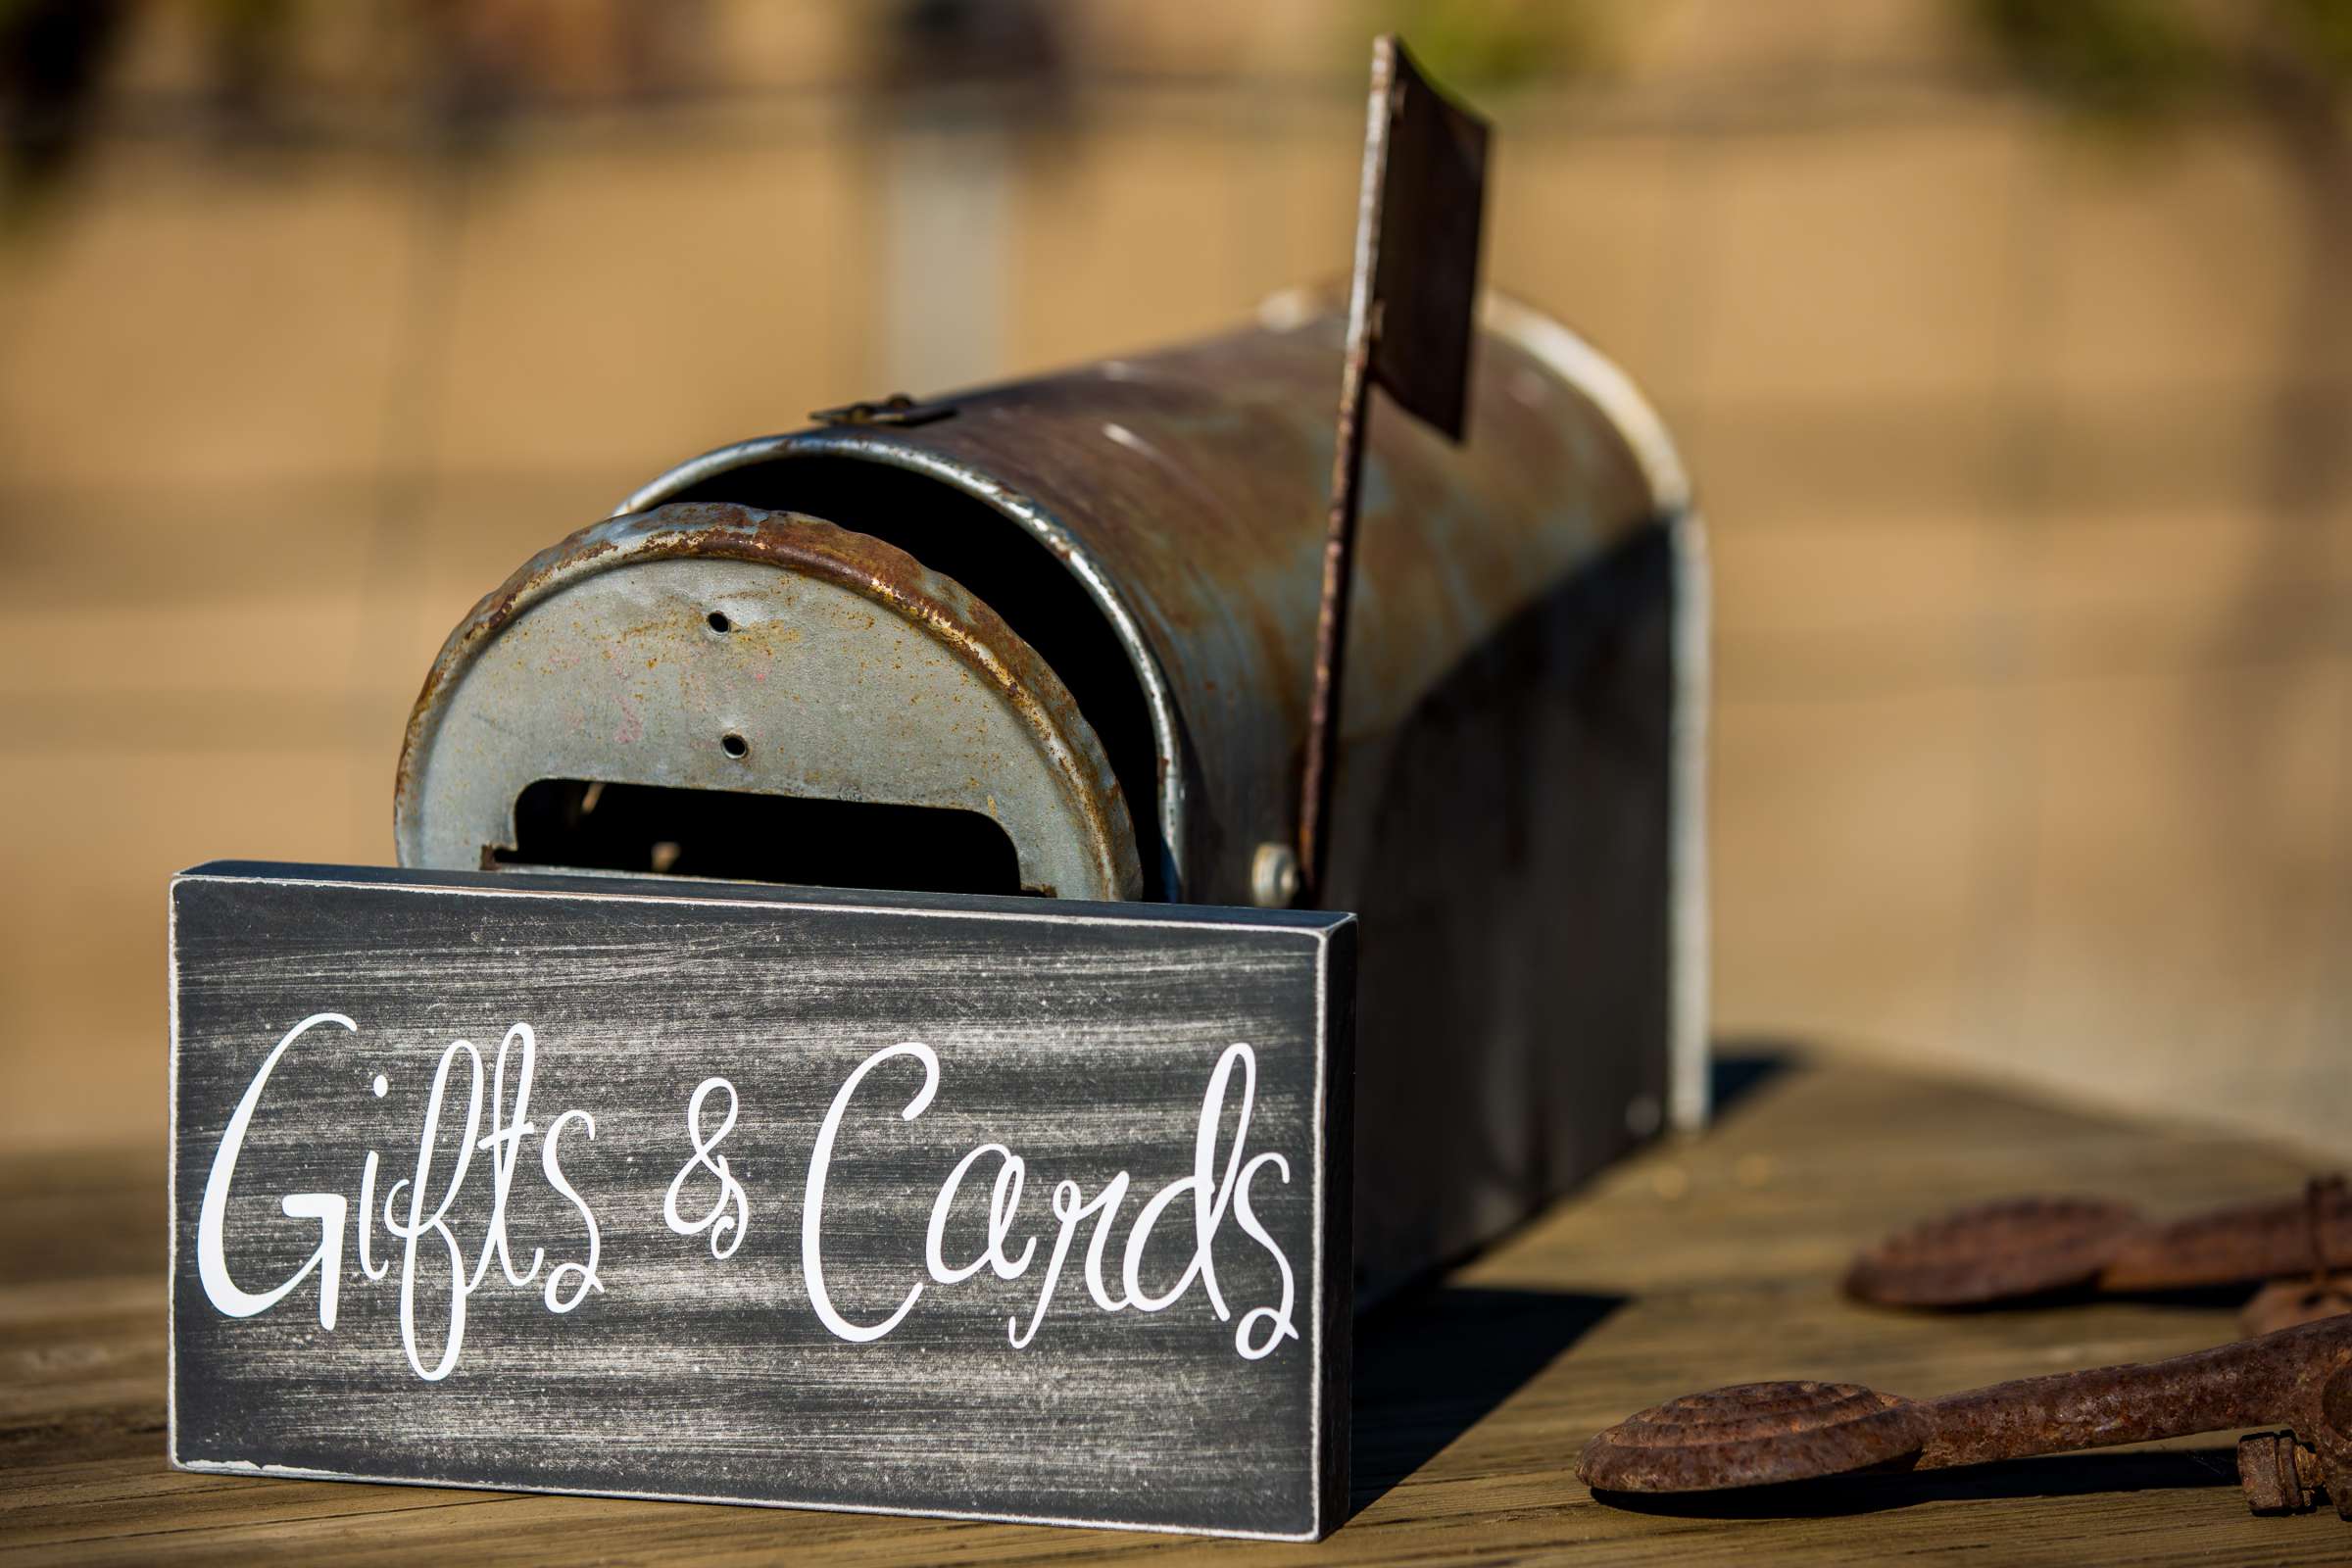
x=582 y=825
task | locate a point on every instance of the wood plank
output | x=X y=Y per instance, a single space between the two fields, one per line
x=1005 y=1208
x=1702 y=1262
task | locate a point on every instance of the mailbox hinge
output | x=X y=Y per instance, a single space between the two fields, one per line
x=897 y=408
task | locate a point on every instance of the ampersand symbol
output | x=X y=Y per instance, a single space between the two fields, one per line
x=725 y=1228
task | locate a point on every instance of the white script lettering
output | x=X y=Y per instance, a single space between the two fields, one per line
x=723 y=1225
x=1215 y=1191
x=411 y=1222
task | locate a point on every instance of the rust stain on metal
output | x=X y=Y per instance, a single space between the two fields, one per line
x=813 y=548
x=1750 y=1435
x=1761 y=1434
x=2278 y=1474
x=1411 y=329
x=1331 y=624
x=897 y=409
x=1204 y=556
x=2284 y=1303
x=489 y=617
x=2024 y=1245
x=2242 y=1243
x=2018 y=1247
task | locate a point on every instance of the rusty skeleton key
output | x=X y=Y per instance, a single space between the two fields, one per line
x=2028 y=1246
x=1758 y=1434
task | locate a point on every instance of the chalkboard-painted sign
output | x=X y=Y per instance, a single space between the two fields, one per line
x=985 y=1207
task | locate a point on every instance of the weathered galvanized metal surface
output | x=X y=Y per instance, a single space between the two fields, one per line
x=1761 y=1434
x=1516 y=821
x=717 y=646
x=1185 y=491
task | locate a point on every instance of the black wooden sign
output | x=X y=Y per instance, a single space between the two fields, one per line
x=994 y=1208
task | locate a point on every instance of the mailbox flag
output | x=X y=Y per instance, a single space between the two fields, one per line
x=1417 y=235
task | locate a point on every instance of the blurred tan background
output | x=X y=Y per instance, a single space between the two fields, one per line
x=2008 y=343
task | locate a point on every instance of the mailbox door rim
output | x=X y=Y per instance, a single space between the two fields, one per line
x=953 y=618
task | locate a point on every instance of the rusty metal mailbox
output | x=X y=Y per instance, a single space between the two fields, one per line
x=1055 y=638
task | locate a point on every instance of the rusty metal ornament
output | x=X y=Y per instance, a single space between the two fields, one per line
x=1994 y=1251
x=1411 y=315
x=2287 y=1472
x=1750 y=1435
x=2026 y=1246
x=2284 y=1303
x=2242 y=1243
x=1767 y=1432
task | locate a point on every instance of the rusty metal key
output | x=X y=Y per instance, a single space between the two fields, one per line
x=1765 y=1432
x=2028 y=1246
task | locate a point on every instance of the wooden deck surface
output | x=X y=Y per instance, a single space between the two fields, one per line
x=1700 y=1263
